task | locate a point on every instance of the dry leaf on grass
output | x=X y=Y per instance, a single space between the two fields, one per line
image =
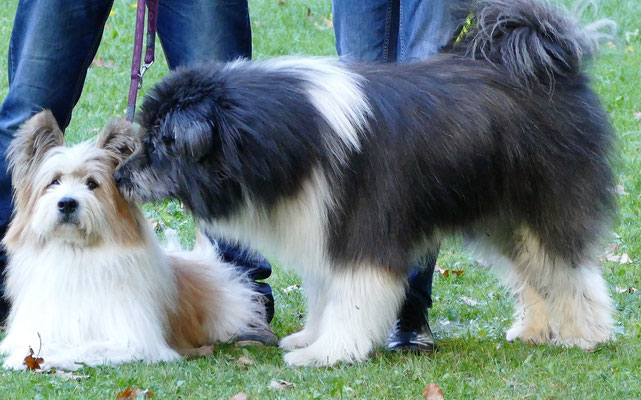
x=469 y=301
x=292 y=288
x=625 y=259
x=33 y=363
x=447 y=272
x=240 y=396
x=281 y=3
x=280 y=384
x=101 y=63
x=68 y=375
x=134 y=393
x=433 y=392
x=244 y=360
x=197 y=352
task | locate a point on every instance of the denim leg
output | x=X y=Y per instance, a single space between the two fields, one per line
x=52 y=44
x=255 y=266
x=366 y=30
x=418 y=297
x=425 y=26
x=201 y=30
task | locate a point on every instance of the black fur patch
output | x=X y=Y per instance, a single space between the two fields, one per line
x=480 y=144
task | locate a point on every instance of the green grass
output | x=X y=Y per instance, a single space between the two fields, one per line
x=474 y=360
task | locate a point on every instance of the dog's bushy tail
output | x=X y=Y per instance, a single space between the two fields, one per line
x=536 y=42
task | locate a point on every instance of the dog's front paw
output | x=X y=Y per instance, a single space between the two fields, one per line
x=306 y=358
x=14 y=362
x=531 y=335
x=296 y=340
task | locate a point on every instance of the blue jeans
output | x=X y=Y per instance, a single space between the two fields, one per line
x=53 y=43
x=399 y=31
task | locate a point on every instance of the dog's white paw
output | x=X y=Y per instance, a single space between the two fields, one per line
x=15 y=362
x=531 y=335
x=296 y=340
x=320 y=355
x=307 y=358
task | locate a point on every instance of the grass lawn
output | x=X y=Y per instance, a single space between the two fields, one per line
x=474 y=360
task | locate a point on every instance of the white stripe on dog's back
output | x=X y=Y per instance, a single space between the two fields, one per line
x=333 y=89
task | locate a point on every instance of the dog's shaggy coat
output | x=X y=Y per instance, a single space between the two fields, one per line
x=347 y=172
x=87 y=281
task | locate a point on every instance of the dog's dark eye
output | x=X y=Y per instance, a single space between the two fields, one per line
x=168 y=140
x=54 y=182
x=91 y=184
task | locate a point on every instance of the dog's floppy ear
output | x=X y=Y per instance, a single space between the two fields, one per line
x=31 y=142
x=120 y=138
x=193 y=132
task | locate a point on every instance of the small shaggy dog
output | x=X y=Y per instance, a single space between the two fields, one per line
x=87 y=280
x=347 y=172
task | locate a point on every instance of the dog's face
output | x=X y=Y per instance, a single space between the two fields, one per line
x=68 y=194
x=181 y=154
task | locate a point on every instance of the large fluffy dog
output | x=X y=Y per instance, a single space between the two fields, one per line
x=87 y=281
x=347 y=172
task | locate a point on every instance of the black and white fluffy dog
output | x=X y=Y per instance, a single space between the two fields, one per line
x=348 y=172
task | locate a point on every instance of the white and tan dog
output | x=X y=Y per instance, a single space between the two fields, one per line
x=87 y=279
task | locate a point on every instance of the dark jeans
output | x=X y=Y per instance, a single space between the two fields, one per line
x=398 y=31
x=53 y=42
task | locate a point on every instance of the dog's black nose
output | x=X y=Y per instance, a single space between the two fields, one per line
x=67 y=205
x=119 y=177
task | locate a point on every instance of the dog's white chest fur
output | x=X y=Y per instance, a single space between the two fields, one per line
x=85 y=301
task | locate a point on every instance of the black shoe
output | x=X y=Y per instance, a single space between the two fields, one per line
x=411 y=341
x=258 y=337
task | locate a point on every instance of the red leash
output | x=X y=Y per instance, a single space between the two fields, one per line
x=137 y=71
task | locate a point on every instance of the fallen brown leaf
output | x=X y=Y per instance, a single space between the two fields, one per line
x=469 y=301
x=244 y=360
x=625 y=259
x=292 y=288
x=134 y=393
x=101 y=63
x=240 y=396
x=281 y=3
x=327 y=22
x=280 y=384
x=433 y=392
x=68 y=375
x=33 y=363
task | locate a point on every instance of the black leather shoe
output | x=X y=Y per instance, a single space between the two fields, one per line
x=258 y=337
x=411 y=341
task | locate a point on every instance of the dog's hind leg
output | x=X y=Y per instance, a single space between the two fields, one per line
x=558 y=302
x=362 y=303
x=316 y=300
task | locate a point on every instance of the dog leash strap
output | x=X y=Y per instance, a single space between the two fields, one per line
x=137 y=71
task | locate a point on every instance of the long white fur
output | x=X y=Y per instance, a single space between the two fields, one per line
x=79 y=295
x=556 y=303
x=342 y=301
x=336 y=93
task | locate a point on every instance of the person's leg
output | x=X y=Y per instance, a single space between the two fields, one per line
x=255 y=266
x=412 y=331
x=425 y=26
x=204 y=30
x=51 y=47
x=366 y=30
